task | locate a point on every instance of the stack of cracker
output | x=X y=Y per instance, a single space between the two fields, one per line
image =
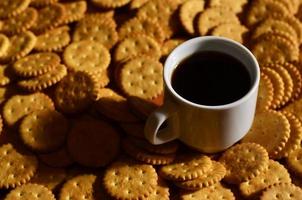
x=78 y=79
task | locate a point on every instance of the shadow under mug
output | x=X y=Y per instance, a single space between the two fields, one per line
x=208 y=129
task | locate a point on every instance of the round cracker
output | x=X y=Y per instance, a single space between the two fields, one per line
x=133 y=129
x=244 y=162
x=45 y=80
x=16 y=169
x=170 y=45
x=233 y=31
x=86 y=56
x=294 y=161
x=6 y=75
x=30 y=192
x=282 y=191
x=276 y=173
x=4 y=45
x=42 y=3
x=187 y=13
x=53 y=40
x=12 y=8
x=270 y=129
x=142 y=77
x=49 y=17
x=88 y=142
x=21 y=22
x=114 y=106
x=19 y=106
x=137 y=26
x=74 y=11
x=75 y=92
x=212 y=17
x=110 y=3
x=44 y=131
x=136 y=46
x=186 y=167
x=36 y=64
x=142 y=107
x=265 y=93
x=130 y=180
x=234 y=5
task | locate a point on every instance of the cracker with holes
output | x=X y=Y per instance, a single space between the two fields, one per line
x=140 y=154
x=84 y=186
x=75 y=92
x=21 y=167
x=294 y=161
x=49 y=17
x=109 y=4
x=142 y=77
x=212 y=17
x=126 y=179
x=276 y=173
x=271 y=25
x=274 y=47
x=44 y=131
x=260 y=10
x=295 y=108
x=270 y=129
x=134 y=4
x=36 y=64
x=265 y=93
x=137 y=26
x=278 y=86
x=234 y=5
x=209 y=178
x=30 y=191
x=19 y=106
x=49 y=177
x=244 y=161
x=233 y=31
x=96 y=31
x=284 y=191
x=188 y=12
x=12 y=8
x=53 y=40
x=90 y=137
x=59 y=158
x=89 y=56
x=186 y=167
x=20 y=23
x=74 y=11
x=114 y=106
x=169 y=45
x=220 y=192
x=136 y=46
x=44 y=81
x=4 y=45
x=42 y=3
x=20 y=45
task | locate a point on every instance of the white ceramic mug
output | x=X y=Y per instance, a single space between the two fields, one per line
x=205 y=128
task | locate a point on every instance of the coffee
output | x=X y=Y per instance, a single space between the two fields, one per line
x=211 y=78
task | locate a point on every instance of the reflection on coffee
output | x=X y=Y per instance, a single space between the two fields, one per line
x=211 y=78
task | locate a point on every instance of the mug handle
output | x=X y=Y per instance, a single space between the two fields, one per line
x=153 y=131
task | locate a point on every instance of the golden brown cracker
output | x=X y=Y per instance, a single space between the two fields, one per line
x=21 y=22
x=42 y=3
x=188 y=12
x=142 y=77
x=75 y=92
x=186 y=167
x=90 y=137
x=4 y=45
x=284 y=191
x=114 y=106
x=232 y=31
x=44 y=81
x=53 y=40
x=44 y=131
x=6 y=75
x=236 y=6
x=134 y=4
x=170 y=45
x=244 y=162
x=276 y=173
x=294 y=161
x=130 y=180
x=212 y=17
x=74 y=11
x=142 y=107
x=16 y=169
x=136 y=46
x=86 y=56
x=270 y=129
x=19 y=106
x=265 y=93
x=107 y=4
x=12 y=8
x=30 y=192
x=36 y=64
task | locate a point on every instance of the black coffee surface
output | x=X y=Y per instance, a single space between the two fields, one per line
x=211 y=78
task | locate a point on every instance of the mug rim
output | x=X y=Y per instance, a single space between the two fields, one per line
x=193 y=41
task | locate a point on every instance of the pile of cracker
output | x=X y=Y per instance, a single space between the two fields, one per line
x=78 y=79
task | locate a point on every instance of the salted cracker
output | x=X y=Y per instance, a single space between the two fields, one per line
x=265 y=93
x=270 y=129
x=4 y=45
x=12 y=8
x=108 y=4
x=294 y=161
x=74 y=11
x=284 y=191
x=234 y=5
x=231 y=30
